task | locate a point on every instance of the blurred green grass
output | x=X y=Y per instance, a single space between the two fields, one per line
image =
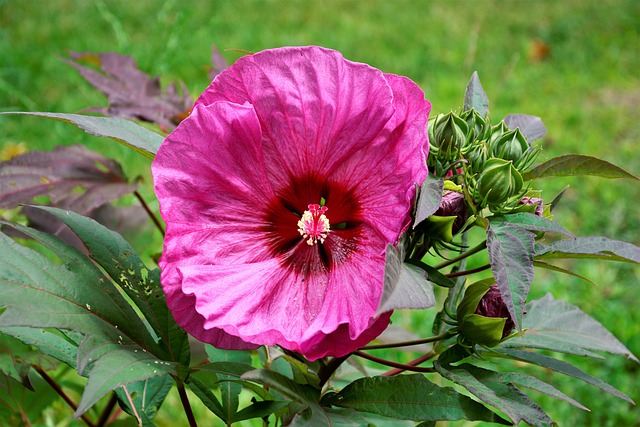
x=587 y=90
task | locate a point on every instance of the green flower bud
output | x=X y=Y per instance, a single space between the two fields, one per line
x=477 y=127
x=498 y=181
x=497 y=131
x=511 y=145
x=447 y=133
x=476 y=154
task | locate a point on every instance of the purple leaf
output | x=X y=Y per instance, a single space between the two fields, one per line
x=218 y=61
x=73 y=177
x=132 y=93
x=531 y=126
x=510 y=250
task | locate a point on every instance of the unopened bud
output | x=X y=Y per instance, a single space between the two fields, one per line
x=511 y=145
x=475 y=325
x=498 y=181
x=477 y=127
x=497 y=131
x=476 y=154
x=453 y=204
x=535 y=203
x=492 y=305
x=447 y=133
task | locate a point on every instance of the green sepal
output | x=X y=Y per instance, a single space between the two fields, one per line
x=439 y=227
x=472 y=296
x=483 y=330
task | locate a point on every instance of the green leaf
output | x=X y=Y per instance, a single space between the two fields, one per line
x=20 y=406
x=116 y=256
x=259 y=409
x=125 y=132
x=530 y=222
x=475 y=97
x=577 y=165
x=488 y=387
x=328 y=417
x=559 y=326
x=120 y=367
x=117 y=348
x=411 y=397
x=429 y=198
x=230 y=369
x=561 y=270
x=229 y=390
x=554 y=202
x=61 y=345
x=206 y=396
x=589 y=247
x=510 y=250
x=146 y=396
x=299 y=392
x=16 y=359
x=561 y=367
x=532 y=383
x=405 y=286
x=303 y=372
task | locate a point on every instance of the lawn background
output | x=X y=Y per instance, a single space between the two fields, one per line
x=587 y=90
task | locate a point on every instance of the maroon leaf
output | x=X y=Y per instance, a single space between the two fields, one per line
x=71 y=177
x=131 y=93
x=218 y=63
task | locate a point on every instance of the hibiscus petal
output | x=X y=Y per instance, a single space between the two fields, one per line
x=210 y=180
x=383 y=175
x=316 y=109
x=341 y=303
x=210 y=169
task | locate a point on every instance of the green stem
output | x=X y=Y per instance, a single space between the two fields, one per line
x=462 y=256
x=467 y=272
x=61 y=393
x=185 y=404
x=153 y=217
x=413 y=363
x=391 y=364
x=410 y=343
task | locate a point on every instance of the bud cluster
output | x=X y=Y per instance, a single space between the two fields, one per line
x=489 y=161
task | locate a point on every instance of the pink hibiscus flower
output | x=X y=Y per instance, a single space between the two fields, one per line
x=281 y=192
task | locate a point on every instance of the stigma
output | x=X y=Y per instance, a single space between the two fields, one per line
x=313 y=226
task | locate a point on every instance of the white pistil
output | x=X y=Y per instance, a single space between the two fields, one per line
x=314 y=225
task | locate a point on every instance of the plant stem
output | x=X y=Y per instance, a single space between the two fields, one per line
x=325 y=372
x=185 y=403
x=462 y=256
x=385 y=362
x=413 y=363
x=410 y=343
x=61 y=392
x=104 y=416
x=467 y=272
x=153 y=217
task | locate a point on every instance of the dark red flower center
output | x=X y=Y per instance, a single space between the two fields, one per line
x=304 y=234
